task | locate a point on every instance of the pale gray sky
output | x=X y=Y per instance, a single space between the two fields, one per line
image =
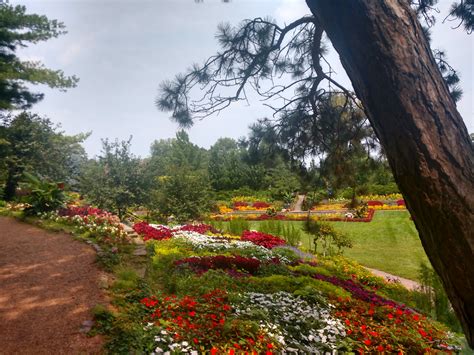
x=122 y=50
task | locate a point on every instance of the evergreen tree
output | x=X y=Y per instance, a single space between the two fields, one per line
x=18 y=30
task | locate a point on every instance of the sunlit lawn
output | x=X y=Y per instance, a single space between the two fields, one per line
x=389 y=243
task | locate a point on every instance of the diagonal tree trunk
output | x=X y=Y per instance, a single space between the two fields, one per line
x=388 y=59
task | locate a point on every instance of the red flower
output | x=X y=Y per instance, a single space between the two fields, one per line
x=265 y=240
x=367 y=342
x=422 y=332
x=380 y=348
x=390 y=316
x=195 y=341
x=270 y=346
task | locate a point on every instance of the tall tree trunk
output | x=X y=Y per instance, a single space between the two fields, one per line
x=389 y=61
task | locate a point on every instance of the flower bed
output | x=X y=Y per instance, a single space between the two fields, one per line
x=288 y=302
x=331 y=217
x=100 y=223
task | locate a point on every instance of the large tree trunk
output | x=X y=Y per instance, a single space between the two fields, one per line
x=387 y=57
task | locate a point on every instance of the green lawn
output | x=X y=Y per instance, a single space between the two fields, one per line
x=389 y=243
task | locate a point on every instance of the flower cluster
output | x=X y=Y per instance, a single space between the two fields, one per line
x=358 y=291
x=296 y=325
x=389 y=329
x=187 y=324
x=198 y=228
x=389 y=197
x=157 y=232
x=221 y=262
x=265 y=240
x=73 y=210
x=102 y=224
x=210 y=243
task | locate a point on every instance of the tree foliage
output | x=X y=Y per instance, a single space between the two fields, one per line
x=31 y=143
x=18 y=30
x=115 y=180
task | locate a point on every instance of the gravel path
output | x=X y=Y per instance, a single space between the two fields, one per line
x=409 y=284
x=48 y=285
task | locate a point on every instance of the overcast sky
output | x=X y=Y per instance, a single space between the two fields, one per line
x=122 y=50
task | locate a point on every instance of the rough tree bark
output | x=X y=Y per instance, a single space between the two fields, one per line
x=387 y=57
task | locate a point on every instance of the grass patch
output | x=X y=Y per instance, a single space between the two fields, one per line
x=389 y=242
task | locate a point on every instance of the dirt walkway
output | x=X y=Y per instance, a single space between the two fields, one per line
x=299 y=204
x=409 y=284
x=48 y=285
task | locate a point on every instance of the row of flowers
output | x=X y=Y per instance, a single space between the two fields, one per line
x=198 y=231
x=102 y=224
x=388 y=197
x=331 y=217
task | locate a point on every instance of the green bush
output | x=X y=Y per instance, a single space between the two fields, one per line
x=45 y=196
x=433 y=300
x=331 y=241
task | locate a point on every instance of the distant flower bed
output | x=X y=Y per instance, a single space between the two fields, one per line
x=332 y=217
x=389 y=197
x=330 y=207
x=379 y=205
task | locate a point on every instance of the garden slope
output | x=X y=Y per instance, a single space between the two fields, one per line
x=48 y=285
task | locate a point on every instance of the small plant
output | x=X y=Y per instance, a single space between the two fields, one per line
x=361 y=211
x=327 y=236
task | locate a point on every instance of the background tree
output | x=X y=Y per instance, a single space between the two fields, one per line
x=183 y=194
x=406 y=98
x=227 y=170
x=31 y=143
x=115 y=180
x=178 y=175
x=18 y=30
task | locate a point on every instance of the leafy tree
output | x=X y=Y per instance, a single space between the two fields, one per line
x=31 y=143
x=115 y=180
x=408 y=103
x=182 y=194
x=169 y=154
x=18 y=30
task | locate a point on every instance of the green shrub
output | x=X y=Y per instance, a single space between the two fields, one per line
x=192 y=284
x=298 y=285
x=331 y=241
x=433 y=300
x=45 y=196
